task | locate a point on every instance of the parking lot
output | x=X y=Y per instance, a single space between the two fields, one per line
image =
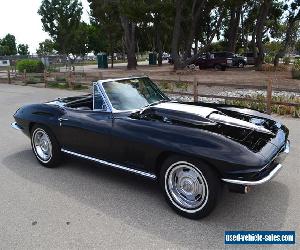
x=82 y=205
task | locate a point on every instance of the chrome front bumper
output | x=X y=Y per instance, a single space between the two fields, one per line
x=16 y=126
x=280 y=157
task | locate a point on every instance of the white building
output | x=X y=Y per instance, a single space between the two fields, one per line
x=4 y=63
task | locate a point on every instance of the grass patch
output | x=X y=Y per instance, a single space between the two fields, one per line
x=33 y=80
x=272 y=68
x=80 y=87
x=59 y=85
x=163 y=85
x=181 y=85
x=60 y=79
x=65 y=85
x=173 y=86
x=277 y=109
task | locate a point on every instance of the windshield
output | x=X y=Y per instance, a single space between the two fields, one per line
x=132 y=94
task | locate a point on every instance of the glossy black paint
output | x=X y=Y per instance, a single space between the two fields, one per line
x=142 y=140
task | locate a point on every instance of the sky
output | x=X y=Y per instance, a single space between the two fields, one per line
x=20 y=18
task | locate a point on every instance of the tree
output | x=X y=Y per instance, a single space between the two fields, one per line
x=129 y=28
x=196 y=11
x=198 y=26
x=97 y=40
x=292 y=26
x=46 y=48
x=132 y=13
x=8 y=45
x=154 y=31
x=176 y=34
x=61 y=19
x=79 y=46
x=23 y=49
x=259 y=31
x=297 y=46
x=200 y=21
x=234 y=24
x=107 y=25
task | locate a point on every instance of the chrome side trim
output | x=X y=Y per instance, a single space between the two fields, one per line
x=271 y=175
x=131 y=170
x=16 y=126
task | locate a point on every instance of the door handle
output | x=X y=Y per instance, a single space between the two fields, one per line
x=62 y=119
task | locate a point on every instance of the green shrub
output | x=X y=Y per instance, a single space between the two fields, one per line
x=286 y=60
x=31 y=66
x=297 y=65
x=269 y=59
x=296 y=69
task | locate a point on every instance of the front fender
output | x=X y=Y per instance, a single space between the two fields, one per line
x=38 y=113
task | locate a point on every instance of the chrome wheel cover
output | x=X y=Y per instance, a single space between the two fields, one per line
x=186 y=187
x=42 y=146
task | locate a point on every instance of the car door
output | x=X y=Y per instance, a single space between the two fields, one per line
x=132 y=141
x=88 y=132
x=201 y=61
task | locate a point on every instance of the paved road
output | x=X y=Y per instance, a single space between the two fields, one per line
x=81 y=205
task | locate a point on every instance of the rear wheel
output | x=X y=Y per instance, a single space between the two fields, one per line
x=218 y=67
x=241 y=64
x=45 y=146
x=191 y=187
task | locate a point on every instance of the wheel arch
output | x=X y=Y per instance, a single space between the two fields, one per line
x=31 y=125
x=35 y=123
x=166 y=154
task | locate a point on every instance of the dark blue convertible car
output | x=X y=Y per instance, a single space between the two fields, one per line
x=191 y=149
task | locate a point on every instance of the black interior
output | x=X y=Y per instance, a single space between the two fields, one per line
x=82 y=104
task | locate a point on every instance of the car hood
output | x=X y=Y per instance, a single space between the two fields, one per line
x=251 y=131
x=211 y=115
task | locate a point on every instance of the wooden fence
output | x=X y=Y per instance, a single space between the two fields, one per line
x=70 y=77
x=73 y=78
x=268 y=88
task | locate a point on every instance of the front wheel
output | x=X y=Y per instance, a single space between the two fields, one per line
x=191 y=187
x=45 y=146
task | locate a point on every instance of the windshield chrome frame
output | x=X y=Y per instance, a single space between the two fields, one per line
x=105 y=97
x=107 y=103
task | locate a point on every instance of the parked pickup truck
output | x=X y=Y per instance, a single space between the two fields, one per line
x=218 y=61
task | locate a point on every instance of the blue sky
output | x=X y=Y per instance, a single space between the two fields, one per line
x=20 y=18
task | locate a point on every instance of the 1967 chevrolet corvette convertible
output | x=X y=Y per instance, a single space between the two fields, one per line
x=191 y=149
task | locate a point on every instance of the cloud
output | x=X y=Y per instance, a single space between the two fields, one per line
x=20 y=18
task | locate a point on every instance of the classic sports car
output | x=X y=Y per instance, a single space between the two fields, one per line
x=189 y=148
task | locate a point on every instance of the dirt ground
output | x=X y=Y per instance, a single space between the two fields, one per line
x=246 y=76
x=281 y=80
